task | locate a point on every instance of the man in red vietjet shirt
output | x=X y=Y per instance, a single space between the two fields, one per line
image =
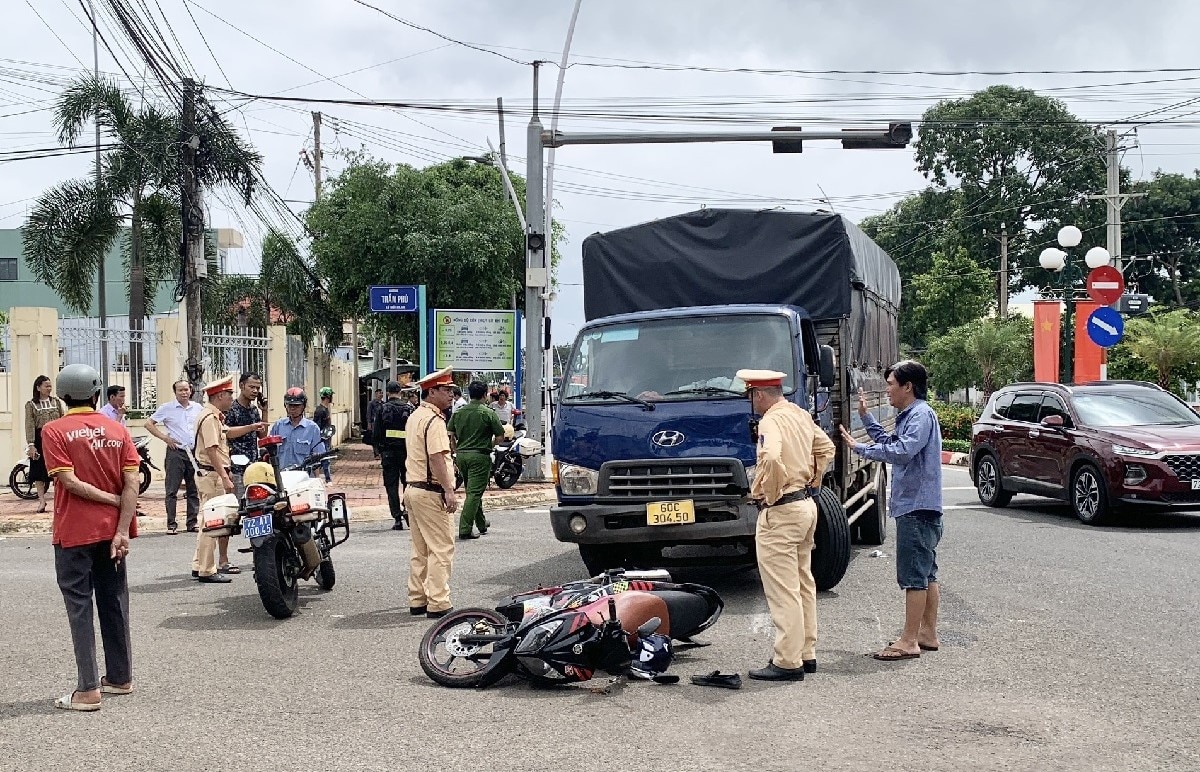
x=95 y=465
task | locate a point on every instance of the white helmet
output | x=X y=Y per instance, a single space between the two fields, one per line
x=79 y=383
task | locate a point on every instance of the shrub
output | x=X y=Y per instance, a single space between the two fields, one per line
x=956 y=420
x=956 y=446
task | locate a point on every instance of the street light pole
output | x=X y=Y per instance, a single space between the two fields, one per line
x=1069 y=274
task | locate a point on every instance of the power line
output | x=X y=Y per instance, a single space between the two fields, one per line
x=416 y=26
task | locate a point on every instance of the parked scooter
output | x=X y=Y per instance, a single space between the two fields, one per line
x=508 y=458
x=291 y=522
x=565 y=634
x=20 y=484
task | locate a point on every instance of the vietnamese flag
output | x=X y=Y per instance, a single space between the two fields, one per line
x=1088 y=356
x=1047 y=324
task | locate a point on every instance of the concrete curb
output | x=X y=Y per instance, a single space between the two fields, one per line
x=954 y=459
x=371 y=513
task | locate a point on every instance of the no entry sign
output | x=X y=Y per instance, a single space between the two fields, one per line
x=1105 y=285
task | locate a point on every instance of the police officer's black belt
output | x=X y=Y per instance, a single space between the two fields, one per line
x=789 y=498
x=204 y=468
x=427 y=487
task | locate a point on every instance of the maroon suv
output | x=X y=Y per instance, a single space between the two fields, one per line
x=1097 y=445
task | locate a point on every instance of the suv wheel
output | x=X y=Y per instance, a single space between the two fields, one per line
x=1089 y=496
x=987 y=482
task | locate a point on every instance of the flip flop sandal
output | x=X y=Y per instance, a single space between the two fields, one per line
x=107 y=688
x=898 y=654
x=229 y=568
x=65 y=703
x=719 y=679
x=920 y=646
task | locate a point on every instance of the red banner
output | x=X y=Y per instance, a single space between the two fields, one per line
x=1047 y=324
x=1088 y=356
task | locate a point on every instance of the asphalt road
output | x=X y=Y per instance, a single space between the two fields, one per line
x=1063 y=647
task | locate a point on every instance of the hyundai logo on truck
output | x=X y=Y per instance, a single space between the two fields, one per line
x=668 y=438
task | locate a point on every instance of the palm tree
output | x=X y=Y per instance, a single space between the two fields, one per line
x=73 y=225
x=1168 y=342
x=988 y=353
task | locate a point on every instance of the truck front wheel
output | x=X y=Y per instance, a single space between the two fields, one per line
x=831 y=553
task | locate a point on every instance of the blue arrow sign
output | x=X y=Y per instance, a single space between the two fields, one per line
x=1105 y=327
x=394 y=299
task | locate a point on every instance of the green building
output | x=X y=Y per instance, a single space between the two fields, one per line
x=18 y=287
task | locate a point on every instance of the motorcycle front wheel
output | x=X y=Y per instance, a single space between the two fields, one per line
x=275 y=573
x=507 y=475
x=20 y=483
x=145 y=483
x=451 y=663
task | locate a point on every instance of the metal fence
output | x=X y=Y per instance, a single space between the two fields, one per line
x=234 y=350
x=132 y=354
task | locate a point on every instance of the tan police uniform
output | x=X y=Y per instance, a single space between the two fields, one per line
x=432 y=527
x=210 y=431
x=792 y=454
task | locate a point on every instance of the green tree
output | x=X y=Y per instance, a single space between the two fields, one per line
x=1162 y=227
x=987 y=353
x=954 y=291
x=448 y=226
x=1169 y=343
x=1020 y=159
x=74 y=224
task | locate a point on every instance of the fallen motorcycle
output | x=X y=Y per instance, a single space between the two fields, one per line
x=291 y=522
x=564 y=634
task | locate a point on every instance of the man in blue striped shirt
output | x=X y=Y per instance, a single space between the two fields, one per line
x=915 y=453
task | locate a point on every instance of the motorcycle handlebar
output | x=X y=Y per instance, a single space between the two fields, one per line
x=310 y=462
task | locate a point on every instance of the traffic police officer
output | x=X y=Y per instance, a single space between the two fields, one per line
x=388 y=439
x=214 y=477
x=792 y=453
x=475 y=429
x=430 y=498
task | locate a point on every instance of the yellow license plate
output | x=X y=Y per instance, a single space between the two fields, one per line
x=670 y=512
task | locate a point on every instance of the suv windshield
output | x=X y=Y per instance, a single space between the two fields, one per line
x=678 y=359
x=1143 y=407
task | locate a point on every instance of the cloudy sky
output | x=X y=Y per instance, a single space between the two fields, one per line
x=638 y=66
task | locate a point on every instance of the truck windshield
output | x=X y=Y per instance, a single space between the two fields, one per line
x=683 y=358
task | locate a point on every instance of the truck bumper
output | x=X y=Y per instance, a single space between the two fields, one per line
x=625 y=523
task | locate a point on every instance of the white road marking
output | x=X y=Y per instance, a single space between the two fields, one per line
x=964 y=506
x=538 y=511
x=959 y=488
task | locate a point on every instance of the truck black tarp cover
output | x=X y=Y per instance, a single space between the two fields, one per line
x=821 y=262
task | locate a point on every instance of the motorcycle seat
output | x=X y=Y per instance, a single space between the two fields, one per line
x=687 y=611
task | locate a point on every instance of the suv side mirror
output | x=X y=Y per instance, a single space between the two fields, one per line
x=826 y=374
x=1053 y=422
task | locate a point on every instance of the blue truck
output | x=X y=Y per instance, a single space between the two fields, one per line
x=651 y=432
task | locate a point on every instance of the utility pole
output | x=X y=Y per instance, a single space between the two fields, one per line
x=1002 y=310
x=1113 y=198
x=317 y=156
x=507 y=182
x=195 y=262
x=101 y=304
x=537 y=244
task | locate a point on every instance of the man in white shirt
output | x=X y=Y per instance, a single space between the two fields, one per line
x=175 y=424
x=503 y=408
x=115 y=407
x=459 y=401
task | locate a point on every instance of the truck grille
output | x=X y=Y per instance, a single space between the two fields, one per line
x=674 y=479
x=1184 y=467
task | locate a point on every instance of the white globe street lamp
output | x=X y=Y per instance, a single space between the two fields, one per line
x=1069 y=236
x=1096 y=257
x=1053 y=259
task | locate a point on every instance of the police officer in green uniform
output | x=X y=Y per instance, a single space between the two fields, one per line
x=388 y=438
x=474 y=430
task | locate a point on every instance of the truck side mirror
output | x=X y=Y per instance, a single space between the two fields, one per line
x=827 y=374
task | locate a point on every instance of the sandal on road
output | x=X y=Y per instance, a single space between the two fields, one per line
x=67 y=702
x=229 y=568
x=892 y=654
x=107 y=688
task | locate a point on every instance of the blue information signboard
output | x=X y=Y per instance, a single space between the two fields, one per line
x=1105 y=327
x=394 y=299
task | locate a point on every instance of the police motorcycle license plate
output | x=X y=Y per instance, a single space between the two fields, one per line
x=1196 y=483
x=670 y=512
x=254 y=527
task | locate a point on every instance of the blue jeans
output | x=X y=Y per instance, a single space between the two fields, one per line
x=917 y=537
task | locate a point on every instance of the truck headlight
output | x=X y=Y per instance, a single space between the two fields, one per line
x=577 y=480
